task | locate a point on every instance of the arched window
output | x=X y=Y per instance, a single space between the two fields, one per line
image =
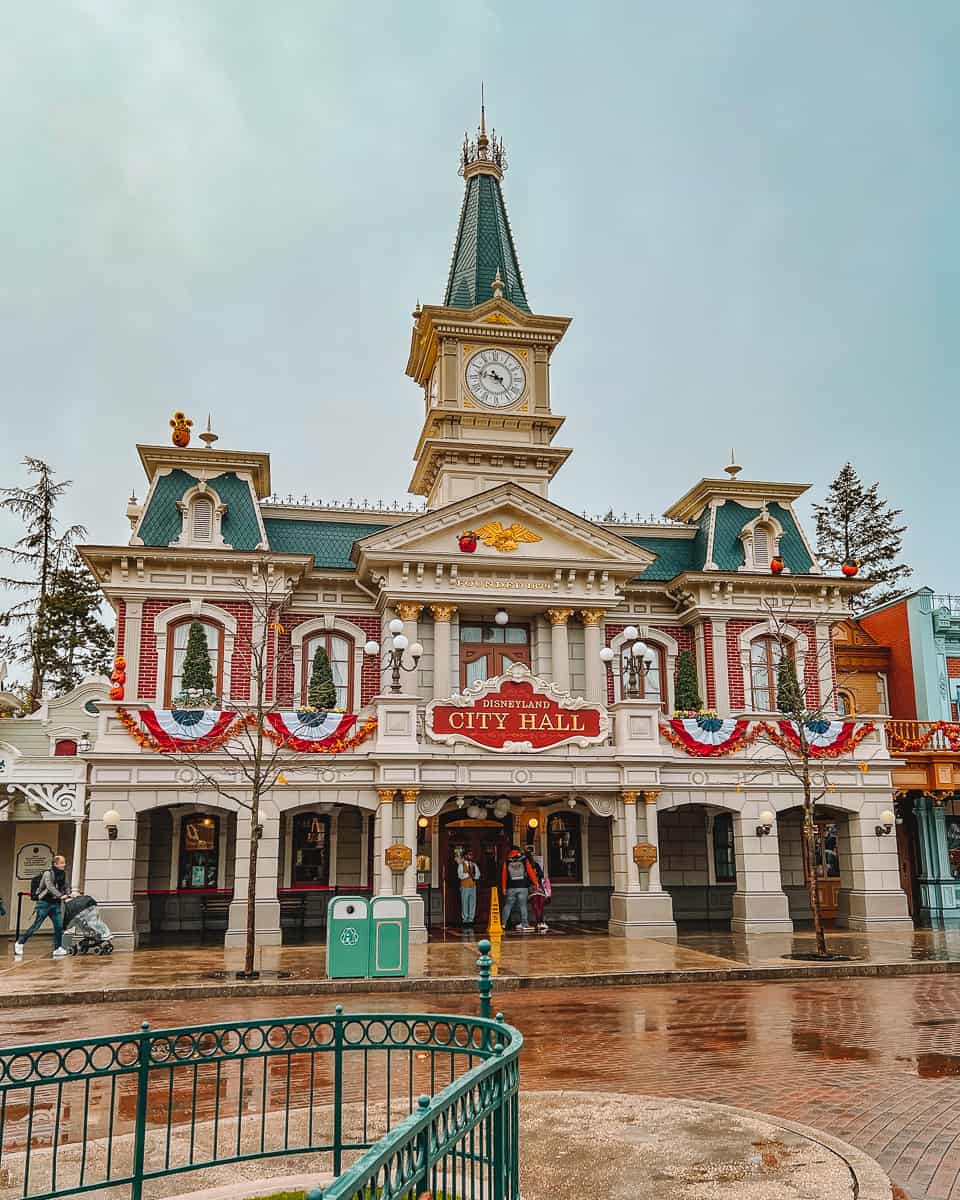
x=652 y=682
x=177 y=652
x=765 y=658
x=340 y=653
x=845 y=705
x=64 y=748
x=201 y=520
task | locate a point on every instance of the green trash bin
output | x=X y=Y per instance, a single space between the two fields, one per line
x=348 y=937
x=389 y=937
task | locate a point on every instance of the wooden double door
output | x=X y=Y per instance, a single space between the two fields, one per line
x=489 y=840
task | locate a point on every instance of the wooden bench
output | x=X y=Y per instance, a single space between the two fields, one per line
x=218 y=905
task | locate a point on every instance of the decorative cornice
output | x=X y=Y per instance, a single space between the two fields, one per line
x=559 y=616
x=410 y=795
x=407 y=610
x=592 y=616
x=443 y=612
x=386 y=795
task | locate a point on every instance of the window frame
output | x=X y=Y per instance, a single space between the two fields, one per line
x=195 y=504
x=298 y=821
x=472 y=651
x=772 y=666
x=555 y=876
x=309 y=648
x=171 y=639
x=663 y=676
x=203 y=817
x=728 y=845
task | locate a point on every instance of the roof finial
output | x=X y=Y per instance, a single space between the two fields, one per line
x=208 y=437
x=733 y=470
x=497 y=286
x=482 y=140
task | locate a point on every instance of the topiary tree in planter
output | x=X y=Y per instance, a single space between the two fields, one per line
x=688 y=697
x=789 y=695
x=322 y=691
x=196 y=685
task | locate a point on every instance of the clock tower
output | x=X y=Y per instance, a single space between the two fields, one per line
x=482 y=358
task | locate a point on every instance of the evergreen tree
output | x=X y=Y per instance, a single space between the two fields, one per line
x=687 y=689
x=73 y=640
x=789 y=696
x=322 y=692
x=40 y=552
x=856 y=524
x=197 y=672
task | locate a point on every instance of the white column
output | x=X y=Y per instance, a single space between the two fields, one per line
x=630 y=840
x=77 y=851
x=595 y=689
x=383 y=837
x=823 y=649
x=110 y=865
x=560 y=651
x=718 y=632
x=266 y=903
x=409 y=614
x=653 y=838
x=759 y=903
x=132 y=626
x=442 y=616
x=870 y=894
x=409 y=796
x=635 y=912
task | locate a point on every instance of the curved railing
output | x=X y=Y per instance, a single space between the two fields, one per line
x=392 y=1105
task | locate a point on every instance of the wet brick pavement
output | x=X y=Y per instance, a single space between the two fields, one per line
x=873 y=1061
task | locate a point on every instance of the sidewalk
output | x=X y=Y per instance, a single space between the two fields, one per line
x=557 y=959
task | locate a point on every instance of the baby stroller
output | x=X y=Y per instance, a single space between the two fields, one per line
x=88 y=930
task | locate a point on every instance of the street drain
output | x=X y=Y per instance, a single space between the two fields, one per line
x=242 y=977
x=812 y=956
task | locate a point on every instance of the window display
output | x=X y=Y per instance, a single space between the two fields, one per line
x=311 y=849
x=199 y=851
x=564 y=861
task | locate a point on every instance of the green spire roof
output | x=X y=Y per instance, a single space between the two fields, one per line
x=484 y=243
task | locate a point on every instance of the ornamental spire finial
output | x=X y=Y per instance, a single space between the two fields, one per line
x=486 y=151
x=732 y=469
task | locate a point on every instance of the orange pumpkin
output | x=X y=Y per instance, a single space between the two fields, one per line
x=120 y=662
x=181 y=425
x=116 y=692
x=777 y=565
x=850 y=567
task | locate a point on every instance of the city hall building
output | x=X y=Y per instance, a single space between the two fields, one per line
x=511 y=725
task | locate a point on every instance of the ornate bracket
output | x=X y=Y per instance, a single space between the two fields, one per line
x=62 y=799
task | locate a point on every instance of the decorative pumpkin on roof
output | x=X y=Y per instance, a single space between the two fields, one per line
x=467 y=541
x=777 y=565
x=181 y=424
x=850 y=567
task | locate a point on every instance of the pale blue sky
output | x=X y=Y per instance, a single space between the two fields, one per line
x=748 y=208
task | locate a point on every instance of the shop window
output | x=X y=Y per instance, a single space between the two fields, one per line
x=724 y=853
x=564 y=848
x=177 y=652
x=486 y=651
x=340 y=653
x=651 y=682
x=199 y=851
x=311 y=849
x=765 y=655
x=952 y=830
x=64 y=748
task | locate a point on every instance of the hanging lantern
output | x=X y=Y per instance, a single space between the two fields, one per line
x=777 y=565
x=850 y=567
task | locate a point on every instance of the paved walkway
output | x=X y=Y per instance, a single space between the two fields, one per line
x=551 y=960
x=875 y=1062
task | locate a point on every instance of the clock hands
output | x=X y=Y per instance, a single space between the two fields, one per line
x=493 y=375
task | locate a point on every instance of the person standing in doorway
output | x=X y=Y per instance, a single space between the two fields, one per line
x=468 y=872
x=53 y=889
x=540 y=894
x=516 y=880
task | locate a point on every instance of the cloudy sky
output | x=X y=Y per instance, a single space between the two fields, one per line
x=749 y=208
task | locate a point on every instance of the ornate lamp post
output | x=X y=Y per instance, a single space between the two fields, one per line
x=393 y=662
x=640 y=661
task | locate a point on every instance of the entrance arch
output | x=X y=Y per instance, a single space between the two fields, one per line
x=699 y=864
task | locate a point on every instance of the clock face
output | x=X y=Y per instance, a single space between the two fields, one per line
x=496 y=378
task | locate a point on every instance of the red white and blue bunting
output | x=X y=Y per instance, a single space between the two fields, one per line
x=309 y=731
x=709 y=737
x=825 y=739
x=185 y=729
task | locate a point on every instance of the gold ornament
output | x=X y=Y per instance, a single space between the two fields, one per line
x=505 y=540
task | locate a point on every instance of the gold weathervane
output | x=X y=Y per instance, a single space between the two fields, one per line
x=505 y=540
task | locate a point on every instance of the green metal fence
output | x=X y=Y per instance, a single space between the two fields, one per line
x=393 y=1105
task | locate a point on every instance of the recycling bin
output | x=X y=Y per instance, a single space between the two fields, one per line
x=389 y=937
x=348 y=937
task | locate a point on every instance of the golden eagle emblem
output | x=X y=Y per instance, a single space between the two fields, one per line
x=494 y=535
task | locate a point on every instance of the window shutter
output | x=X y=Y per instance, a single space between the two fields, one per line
x=202 y=520
x=761 y=547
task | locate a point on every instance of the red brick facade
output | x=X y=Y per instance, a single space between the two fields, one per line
x=369 y=682
x=239 y=684
x=121 y=630
x=710 y=683
x=682 y=635
x=738 y=700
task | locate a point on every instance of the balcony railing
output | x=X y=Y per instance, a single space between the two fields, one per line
x=916 y=737
x=931 y=604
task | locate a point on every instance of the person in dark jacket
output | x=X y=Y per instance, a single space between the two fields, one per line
x=516 y=880
x=53 y=890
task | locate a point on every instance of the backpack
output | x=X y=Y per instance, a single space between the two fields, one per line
x=36 y=886
x=516 y=871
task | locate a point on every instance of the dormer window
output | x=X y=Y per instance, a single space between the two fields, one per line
x=201 y=520
x=761 y=542
x=764 y=541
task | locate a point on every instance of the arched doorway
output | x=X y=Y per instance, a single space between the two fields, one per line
x=830 y=835
x=489 y=838
x=698 y=864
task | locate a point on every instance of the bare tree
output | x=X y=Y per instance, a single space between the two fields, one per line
x=798 y=756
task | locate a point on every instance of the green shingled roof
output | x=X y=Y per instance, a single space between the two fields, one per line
x=484 y=246
x=330 y=542
x=728 y=549
x=674 y=555
x=162 y=521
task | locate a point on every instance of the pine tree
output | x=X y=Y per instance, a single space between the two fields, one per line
x=197 y=672
x=41 y=551
x=856 y=524
x=789 y=695
x=687 y=690
x=73 y=640
x=322 y=692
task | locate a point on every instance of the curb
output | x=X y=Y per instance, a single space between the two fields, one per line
x=467 y=983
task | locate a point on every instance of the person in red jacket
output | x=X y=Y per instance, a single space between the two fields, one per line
x=516 y=879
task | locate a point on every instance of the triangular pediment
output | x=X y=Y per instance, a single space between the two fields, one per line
x=504 y=525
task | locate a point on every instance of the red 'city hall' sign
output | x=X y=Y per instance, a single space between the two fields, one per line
x=510 y=714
